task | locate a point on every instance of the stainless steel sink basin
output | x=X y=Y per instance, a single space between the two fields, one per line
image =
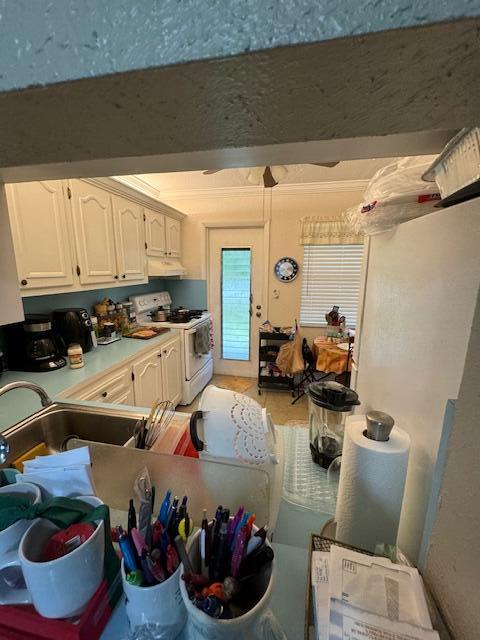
x=59 y=422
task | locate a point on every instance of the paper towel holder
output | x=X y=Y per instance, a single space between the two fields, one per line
x=379 y=426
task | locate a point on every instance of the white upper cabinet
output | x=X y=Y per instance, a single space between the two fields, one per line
x=172 y=371
x=155 y=233
x=85 y=234
x=38 y=217
x=129 y=238
x=173 y=237
x=94 y=235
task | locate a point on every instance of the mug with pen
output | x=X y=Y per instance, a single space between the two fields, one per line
x=227 y=580
x=151 y=563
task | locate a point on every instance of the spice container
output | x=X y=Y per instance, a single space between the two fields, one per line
x=75 y=356
x=130 y=312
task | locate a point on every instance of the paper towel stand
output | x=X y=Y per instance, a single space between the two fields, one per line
x=379 y=427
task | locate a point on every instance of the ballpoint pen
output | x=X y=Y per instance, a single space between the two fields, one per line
x=182 y=552
x=132 y=518
x=164 y=509
x=129 y=556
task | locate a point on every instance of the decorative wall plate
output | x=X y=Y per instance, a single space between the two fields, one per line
x=286 y=269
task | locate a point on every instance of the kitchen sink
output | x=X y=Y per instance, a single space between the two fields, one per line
x=61 y=422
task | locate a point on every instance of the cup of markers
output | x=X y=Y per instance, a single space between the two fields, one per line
x=227 y=579
x=151 y=566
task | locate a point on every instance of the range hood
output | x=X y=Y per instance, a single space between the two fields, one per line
x=163 y=267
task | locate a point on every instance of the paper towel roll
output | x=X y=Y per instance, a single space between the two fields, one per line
x=372 y=481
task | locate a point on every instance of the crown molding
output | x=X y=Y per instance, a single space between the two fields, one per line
x=305 y=188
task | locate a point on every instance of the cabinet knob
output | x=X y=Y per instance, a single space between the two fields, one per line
x=104 y=394
x=24 y=283
x=116 y=277
x=159 y=355
x=124 y=276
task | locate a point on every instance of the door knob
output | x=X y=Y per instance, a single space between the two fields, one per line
x=258 y=314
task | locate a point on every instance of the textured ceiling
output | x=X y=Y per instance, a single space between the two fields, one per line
x=297 y=174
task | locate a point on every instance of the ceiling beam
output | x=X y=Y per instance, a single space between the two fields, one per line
x=384 y=94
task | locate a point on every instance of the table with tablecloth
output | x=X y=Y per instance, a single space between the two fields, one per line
x=329 y=357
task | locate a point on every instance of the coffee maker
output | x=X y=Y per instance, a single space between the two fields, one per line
x=329 y=403
x=33 y=346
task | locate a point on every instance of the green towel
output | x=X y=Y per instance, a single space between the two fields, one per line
x=62 y=512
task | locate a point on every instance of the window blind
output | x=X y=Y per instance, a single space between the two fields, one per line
x=331 y=275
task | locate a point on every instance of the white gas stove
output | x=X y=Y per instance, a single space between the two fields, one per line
x=197 y=368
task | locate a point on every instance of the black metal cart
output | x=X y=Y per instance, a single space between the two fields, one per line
x=269 y=346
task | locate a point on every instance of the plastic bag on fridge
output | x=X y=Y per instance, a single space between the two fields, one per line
x=395 y=194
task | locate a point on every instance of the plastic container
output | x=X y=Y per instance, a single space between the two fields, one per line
x=459 y=163
x=160 y=604
x=75 y=356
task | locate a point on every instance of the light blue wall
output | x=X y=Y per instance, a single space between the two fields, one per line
x=186 y=293
x=191 y=294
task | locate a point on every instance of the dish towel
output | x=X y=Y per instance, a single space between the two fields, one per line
x=202 y=339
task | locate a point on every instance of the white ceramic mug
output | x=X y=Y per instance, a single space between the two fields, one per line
x=160 y=604
x=11 y=536
x=202 y=625
x=58 y=588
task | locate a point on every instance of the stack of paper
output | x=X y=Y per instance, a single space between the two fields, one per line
x=360 y=597
x=61 y=474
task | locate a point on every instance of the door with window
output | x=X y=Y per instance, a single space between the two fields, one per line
x=235 y=287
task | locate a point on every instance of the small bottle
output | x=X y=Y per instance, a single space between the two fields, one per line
x=75 y=356
x=94 y=331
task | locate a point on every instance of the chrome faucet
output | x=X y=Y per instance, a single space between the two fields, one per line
x=44 y=399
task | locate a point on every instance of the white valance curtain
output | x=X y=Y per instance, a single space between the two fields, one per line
x=318 y=230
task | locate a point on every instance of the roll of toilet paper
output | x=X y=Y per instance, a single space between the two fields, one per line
x=372 y=482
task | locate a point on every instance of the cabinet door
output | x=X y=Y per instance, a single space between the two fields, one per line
x=129 y=239
x=172 y=371
x=94 y=236
x=39 y=228
x=112 y=388
x=155 y=233
x=147 y=383
x=173 y=237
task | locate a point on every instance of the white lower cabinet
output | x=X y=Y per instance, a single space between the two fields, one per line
x=156 y=375
x=172 y=371
x=148 y=379
x=110 y=388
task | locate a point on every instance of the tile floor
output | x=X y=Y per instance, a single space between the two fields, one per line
x=278 y=403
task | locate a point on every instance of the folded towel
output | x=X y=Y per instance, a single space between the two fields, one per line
x=202 y=339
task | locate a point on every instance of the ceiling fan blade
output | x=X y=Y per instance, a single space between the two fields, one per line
x=324 y=164
x=268 y=180
x=210 y=172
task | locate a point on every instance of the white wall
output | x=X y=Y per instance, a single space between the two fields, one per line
x=421 y=291
x=453 y=560
x=285 y=209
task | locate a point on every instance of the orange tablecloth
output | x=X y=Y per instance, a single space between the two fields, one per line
x=329 y=357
